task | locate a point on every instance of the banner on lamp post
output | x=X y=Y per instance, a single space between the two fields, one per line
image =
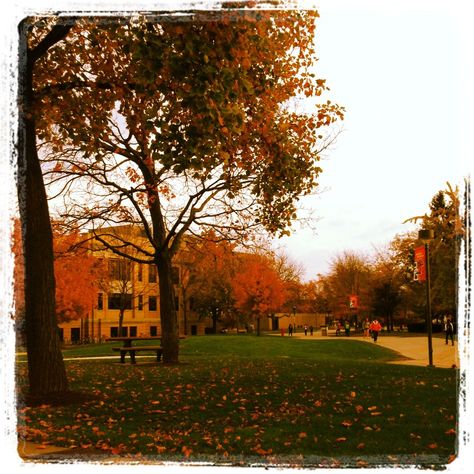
x=420 y=264
x=353 y=301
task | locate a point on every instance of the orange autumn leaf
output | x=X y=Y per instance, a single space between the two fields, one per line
x=186 y=451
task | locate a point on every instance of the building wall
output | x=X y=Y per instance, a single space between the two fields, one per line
x=143 y=316
x=301 y=319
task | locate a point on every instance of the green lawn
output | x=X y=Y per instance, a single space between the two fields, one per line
x=245 y=398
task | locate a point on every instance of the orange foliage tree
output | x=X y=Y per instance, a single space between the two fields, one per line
x=185 y=123
x=258 y=289
x=211 y=266
x=77 y=275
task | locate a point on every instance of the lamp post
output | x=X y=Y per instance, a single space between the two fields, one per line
x=425 y=236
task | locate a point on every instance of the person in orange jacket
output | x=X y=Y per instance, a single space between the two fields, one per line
x=375 y=328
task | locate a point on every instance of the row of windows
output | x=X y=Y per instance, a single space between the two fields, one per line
x=125 y=301
x=114 y=332
x=121 y=269
x=131 y=331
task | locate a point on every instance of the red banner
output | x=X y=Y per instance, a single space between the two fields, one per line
x=420 y=263
x=353 y=301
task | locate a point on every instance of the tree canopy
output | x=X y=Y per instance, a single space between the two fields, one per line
x=180 y=124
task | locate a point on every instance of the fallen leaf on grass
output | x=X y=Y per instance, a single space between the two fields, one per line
x=450 y=432
x=341 y=440
x=186 y=451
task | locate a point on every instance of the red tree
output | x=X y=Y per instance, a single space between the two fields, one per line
x=258 y=288
x=77 y=274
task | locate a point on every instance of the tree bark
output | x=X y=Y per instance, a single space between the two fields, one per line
x=46 y=370
x=168 y=315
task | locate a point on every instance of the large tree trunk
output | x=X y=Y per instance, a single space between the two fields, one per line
x=169 y=320
x=46 y=370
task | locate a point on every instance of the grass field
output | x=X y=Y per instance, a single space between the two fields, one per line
x=244 y=399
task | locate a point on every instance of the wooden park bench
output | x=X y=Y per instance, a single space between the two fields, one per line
x=133 y=349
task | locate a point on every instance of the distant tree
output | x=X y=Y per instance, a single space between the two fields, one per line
x=313 y=297
x=445 y=220
x=258 y=289
x=290 y=274
x=77 y=275
x=350 y=274
x=211 y=265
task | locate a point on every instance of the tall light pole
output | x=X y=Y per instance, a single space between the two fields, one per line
x=425 y=236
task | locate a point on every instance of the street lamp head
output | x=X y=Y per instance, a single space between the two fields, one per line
x=425 y=235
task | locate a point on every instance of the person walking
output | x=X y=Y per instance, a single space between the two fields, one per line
x=449 y=331
x=311 y=330
x=290 y=330
x=305 y=329
x=375 y=328
x=347 y=328
x=366 y=327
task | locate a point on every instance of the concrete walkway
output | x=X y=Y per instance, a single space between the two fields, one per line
x=413 y=348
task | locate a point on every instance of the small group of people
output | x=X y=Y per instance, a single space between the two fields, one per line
x=372 y=329
x=292 y=329
x=346 y=326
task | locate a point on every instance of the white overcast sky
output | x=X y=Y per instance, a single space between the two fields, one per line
x=404 y=72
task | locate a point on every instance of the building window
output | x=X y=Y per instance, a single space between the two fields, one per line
x=175 y=275
x=119 y=301
x=75 y=334
x=133 y=331
x=100 y=301
x=152 y=303
x=140 y=272
x=114 y=331
x=119 y=269
x=140 y=302
x=153 y=331
x=152 y=275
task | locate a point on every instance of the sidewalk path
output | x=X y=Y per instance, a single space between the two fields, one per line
x=414 y=348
